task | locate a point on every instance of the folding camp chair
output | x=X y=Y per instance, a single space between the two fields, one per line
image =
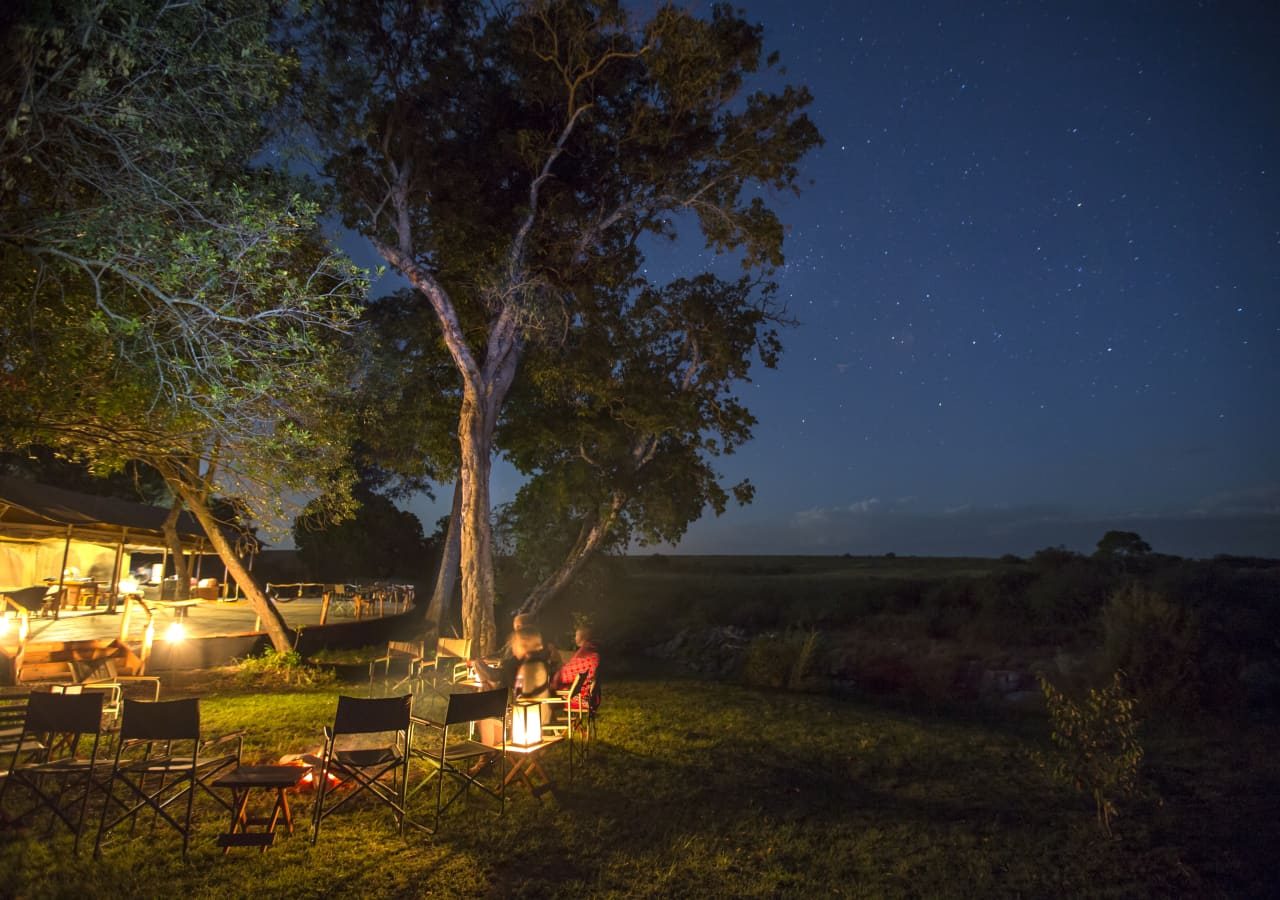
x=45 y=760
x=366 y=768
x=582 y=699
x=160 y=761
x=447 y=759
x=450 y=662
x=411 y=653
x=104 y=675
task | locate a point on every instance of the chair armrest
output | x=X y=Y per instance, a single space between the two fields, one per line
x=140 y=679
x=236 y=736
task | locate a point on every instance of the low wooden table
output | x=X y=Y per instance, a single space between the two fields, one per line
x=241 y=782
x=525 y=766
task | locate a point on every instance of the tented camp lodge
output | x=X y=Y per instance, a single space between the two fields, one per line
x=52 y=537
x=60 y=550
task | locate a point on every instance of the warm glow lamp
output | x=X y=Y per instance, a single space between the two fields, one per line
x=128 y=585
x=4 y=623
x=526 y=724
x=175 y=632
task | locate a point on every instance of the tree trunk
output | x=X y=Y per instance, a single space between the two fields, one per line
x=590 y=539
x=440 y=608
x=272 y=621
x=180 y=568
x=476 y=543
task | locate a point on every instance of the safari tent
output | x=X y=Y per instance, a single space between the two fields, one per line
x=48 y=532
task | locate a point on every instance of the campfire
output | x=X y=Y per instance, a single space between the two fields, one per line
x=312 y=761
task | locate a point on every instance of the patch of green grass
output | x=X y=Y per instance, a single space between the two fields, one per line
x=699 y=789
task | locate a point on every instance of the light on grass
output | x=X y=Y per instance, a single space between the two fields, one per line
x=526 y=724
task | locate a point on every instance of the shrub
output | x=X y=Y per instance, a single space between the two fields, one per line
x=1070 y=594
x=1096 y=746
x=273 y=668
x=1158 y=643
x=787 y=660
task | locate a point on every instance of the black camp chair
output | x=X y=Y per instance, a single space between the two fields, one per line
x=46 y=763
x=160 y=762
x=367 y=769
x=447 y=759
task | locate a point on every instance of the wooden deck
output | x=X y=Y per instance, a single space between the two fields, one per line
x=203 y=619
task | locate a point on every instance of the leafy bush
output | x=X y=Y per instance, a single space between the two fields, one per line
x=1069 y=594
x=347 y=655
x=783 y=660
x=1158 y=642
x=1096 y=746
x=273 y=668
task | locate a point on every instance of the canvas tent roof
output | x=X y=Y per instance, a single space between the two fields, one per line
x=36 y=511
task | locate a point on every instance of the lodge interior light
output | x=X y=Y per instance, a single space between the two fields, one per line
x=526 y=724
x=128 y=585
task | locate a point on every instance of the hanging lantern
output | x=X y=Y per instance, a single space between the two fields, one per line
x=526 y=724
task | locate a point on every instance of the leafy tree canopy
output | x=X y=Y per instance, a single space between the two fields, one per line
x=1120 y=544
x=162 y=298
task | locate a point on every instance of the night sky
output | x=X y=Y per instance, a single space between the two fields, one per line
x=1036 y=274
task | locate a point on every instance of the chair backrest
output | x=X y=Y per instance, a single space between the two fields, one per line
x=161 y=720
x=30 y=597
x=361 y=715
x=459 y=647
x=64 y=713
x=476 y=705
x=408 y=648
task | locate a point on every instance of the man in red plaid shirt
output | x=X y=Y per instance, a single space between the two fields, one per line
x=586 y=659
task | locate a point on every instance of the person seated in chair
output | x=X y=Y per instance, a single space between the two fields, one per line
x=526 y=668
x=586 y=659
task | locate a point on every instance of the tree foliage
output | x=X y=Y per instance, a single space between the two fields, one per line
x=1121 y=545
x=620 y=429
x=165 y=299
x=378 y=541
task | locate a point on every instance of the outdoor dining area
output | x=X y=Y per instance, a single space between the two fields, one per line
x=112 y=762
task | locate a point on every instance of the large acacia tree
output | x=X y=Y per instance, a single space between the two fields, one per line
x=504 y=157
x=164 y=299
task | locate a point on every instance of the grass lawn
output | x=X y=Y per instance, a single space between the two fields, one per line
x=705 y=789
